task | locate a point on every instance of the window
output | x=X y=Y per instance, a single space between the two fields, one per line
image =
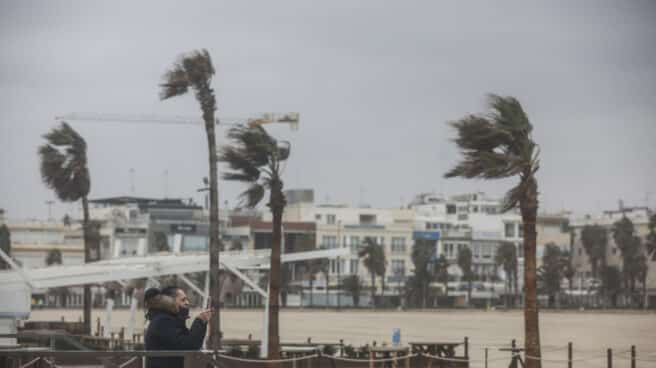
x=510 y=230
x=398 y=245
x=486 y=251
x=477 y=250
x=448 y=250
x=355 y=243
x=354 y=266
x=328 y=242
x=330 y=219
x=367 y=219
x=463 y=217
x=195 y=243
x=450 y=209
x=475 y=209
x=317 y=216
x=398 y=267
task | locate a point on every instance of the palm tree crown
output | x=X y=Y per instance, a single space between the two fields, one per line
x=64 y=163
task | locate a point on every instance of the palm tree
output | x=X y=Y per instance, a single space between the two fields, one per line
x=442 y=273
x=630 y=246
x=595 y=241
x=465 y=264
x=374 y=260
x=551 y=272
x=353 y=286
x=422 y=251
x=64 y=169
x=5 y=245
x=506 y=257
x=194 y=71
x=496 y=146
x=569 y=271
x=256 y=158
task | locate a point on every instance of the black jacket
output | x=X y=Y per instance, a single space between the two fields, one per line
x=167 y=331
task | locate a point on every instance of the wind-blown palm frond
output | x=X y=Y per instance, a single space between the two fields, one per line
x=253 y=195
x=190 y=70
x=64 y=163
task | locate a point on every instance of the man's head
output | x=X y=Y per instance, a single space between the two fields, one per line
x=181 y=300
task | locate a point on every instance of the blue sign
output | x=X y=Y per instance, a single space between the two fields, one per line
x=396 y=337
x=427 y=235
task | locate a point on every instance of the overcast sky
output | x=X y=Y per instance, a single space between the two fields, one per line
x=375 y=83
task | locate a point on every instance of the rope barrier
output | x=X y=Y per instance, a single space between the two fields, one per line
x=372 y=360
x=31 y=362
x=228 y=357
x=127 y=363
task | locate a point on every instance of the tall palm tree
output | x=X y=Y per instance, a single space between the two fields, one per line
x=64 y=169
x=374 y=260
x=465 y=264
x=256 y=158
x=499 y=145
x=506 y=257
x=194 y=71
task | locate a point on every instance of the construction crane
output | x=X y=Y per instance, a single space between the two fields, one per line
x=291 y=118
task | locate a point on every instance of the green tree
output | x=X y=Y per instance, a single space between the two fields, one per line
x=506 y=257
x=64 y=169
x=5 y=245
x=551 y=272
x=465 y=264
x=630 y=246
x=422 y=252
x=256 y=158
x=611 y=283
x=651 y=238
x=194 y=71
x=353 y=286
x=595 y=242
x=374 y=260
x=499 y=145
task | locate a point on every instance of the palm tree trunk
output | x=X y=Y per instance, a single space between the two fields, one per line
x=277 y=203
x=208 y=104
x=87 y=258
x=529 y=208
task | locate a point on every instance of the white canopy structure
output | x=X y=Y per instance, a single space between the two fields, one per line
x=16 y=284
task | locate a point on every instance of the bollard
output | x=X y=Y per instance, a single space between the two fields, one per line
x=513 y=344
x=569 y=354
x=341 y=348
x=610 y=358
x=633 y=356
x=485 y=357
x=466 y=347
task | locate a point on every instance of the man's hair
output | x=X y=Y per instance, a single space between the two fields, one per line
x=171 y=291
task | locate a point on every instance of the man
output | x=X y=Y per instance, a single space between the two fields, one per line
x=168 y=310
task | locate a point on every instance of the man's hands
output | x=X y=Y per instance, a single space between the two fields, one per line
x=205 y=315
